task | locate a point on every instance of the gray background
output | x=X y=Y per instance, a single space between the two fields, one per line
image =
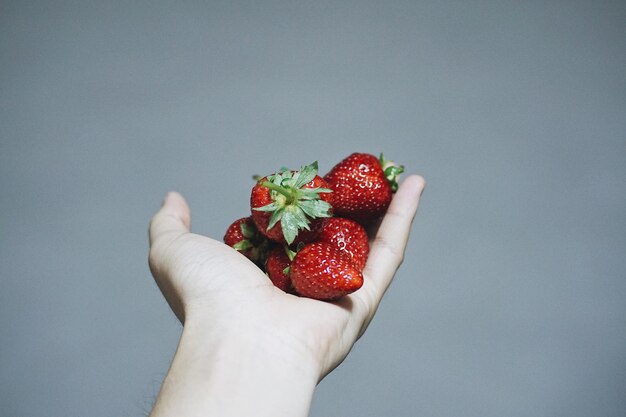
x=511 y=301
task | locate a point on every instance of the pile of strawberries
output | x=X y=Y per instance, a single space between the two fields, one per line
x=307 y=233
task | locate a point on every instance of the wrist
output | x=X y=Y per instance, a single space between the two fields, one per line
x=243 y=371
x=251 y=344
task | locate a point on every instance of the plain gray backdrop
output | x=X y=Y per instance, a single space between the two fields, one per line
x=512 y=297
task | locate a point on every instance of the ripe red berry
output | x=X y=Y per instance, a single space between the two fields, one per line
x=323 y=272
x=277 y=268
x=348 y=236
x=243 y=236
x=362 y=188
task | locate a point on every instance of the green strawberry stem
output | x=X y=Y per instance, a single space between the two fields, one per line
x=391 y=171
x=289 y=193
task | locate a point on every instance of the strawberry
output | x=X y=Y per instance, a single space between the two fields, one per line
x=348 y=236
x=321 y=271
x=278 y=267
x=291 y=205
x=243 y=236
x=363 y=186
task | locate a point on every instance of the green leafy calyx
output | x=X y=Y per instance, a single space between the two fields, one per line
x=292 y=204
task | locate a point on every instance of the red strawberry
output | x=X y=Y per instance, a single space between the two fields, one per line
x=362 y=186
x=290 y=205
x=243 y=236
x=321 y=271
x=277 y=267
x=349 y=237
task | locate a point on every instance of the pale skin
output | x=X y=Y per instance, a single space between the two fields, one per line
x=247 y=348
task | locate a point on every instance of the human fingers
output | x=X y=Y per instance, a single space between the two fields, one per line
x=387 y=248
x=172 y=219
x=168 y=224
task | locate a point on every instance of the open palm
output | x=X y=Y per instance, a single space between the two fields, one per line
x=213 y=283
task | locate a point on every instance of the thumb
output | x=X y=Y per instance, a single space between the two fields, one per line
x=171 y=221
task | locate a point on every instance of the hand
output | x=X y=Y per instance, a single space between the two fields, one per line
x=244 y=329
